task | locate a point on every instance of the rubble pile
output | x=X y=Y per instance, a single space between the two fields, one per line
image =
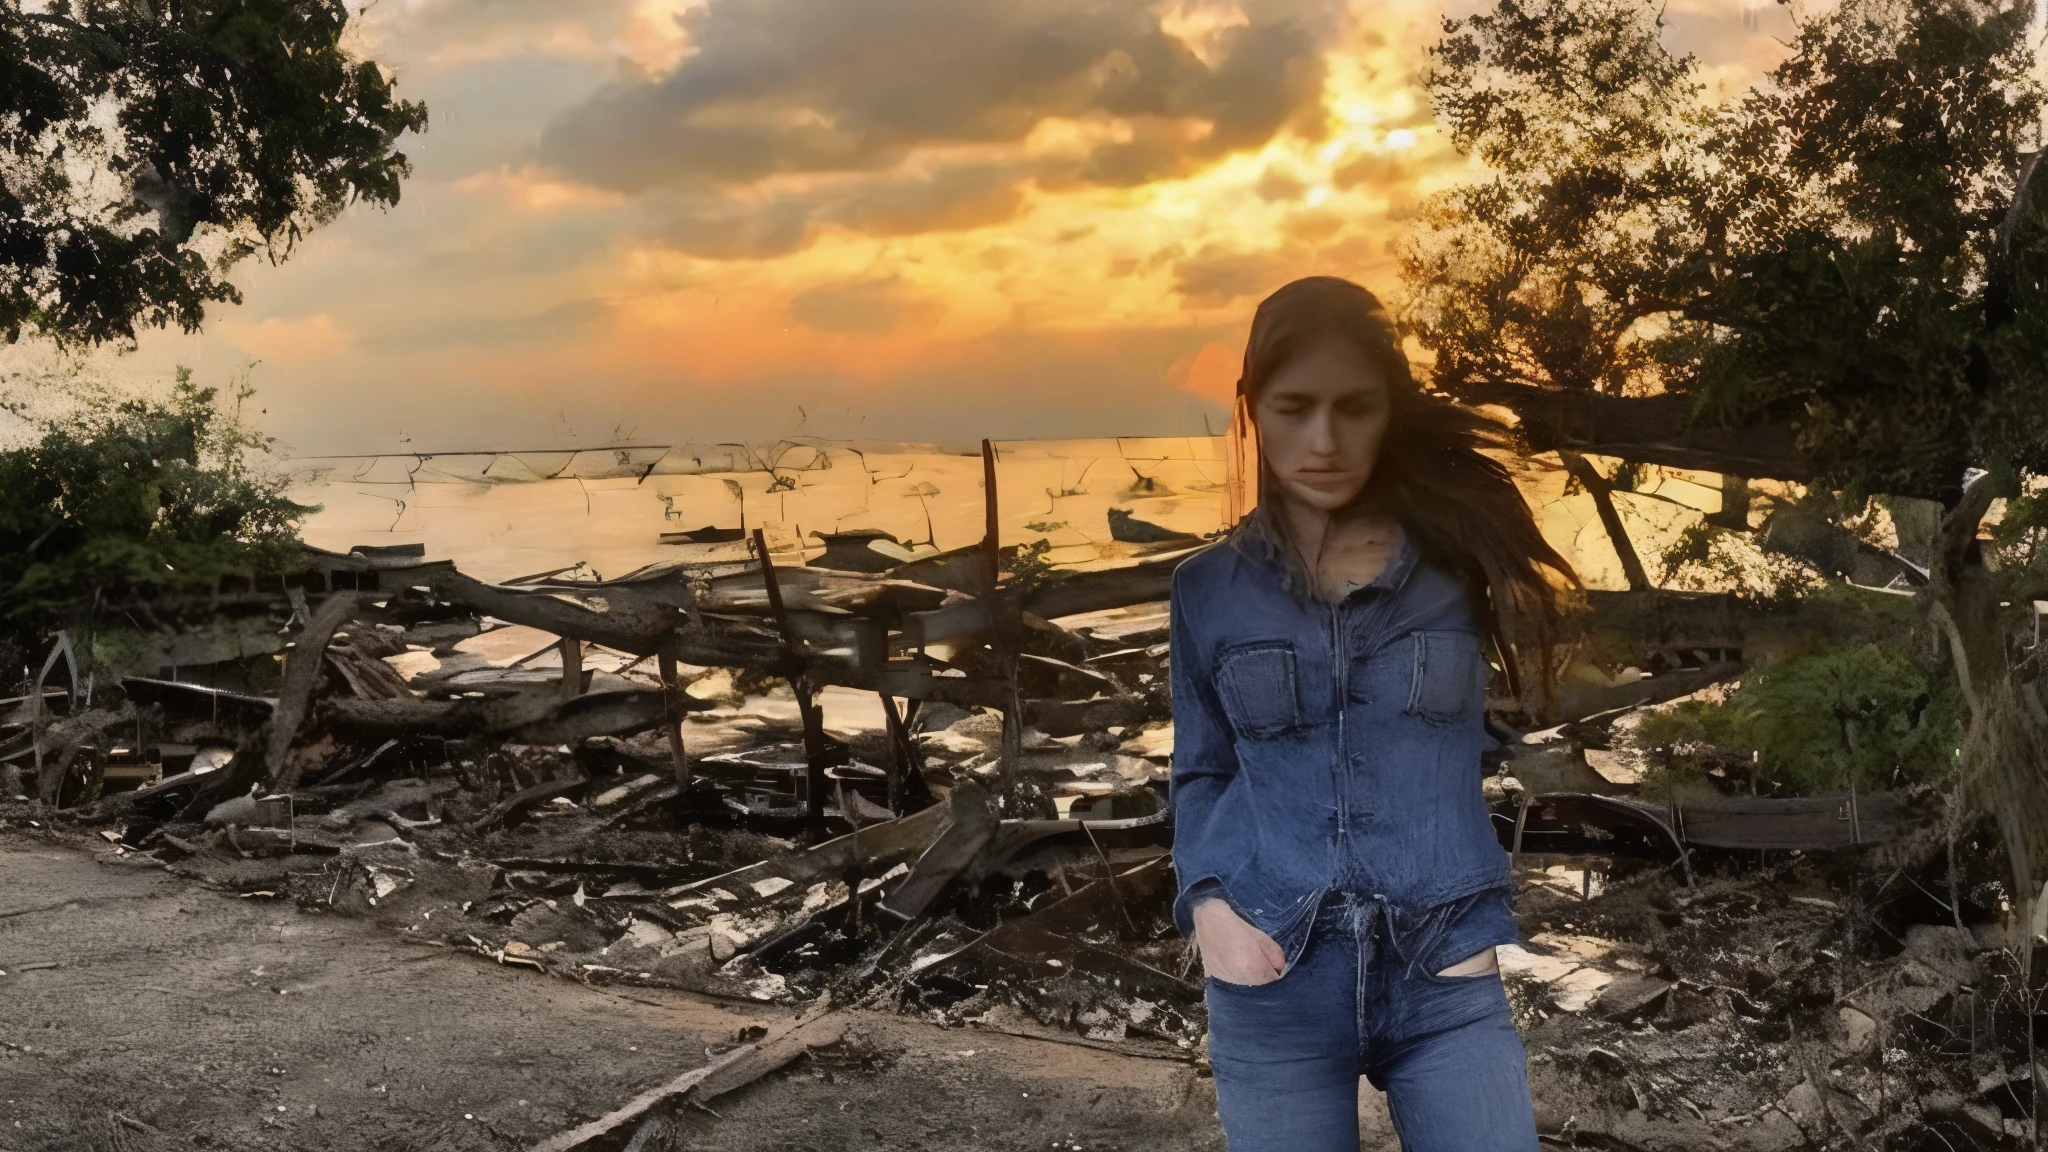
x=700 y=776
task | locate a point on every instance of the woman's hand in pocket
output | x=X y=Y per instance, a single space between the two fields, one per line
x=1232 y=950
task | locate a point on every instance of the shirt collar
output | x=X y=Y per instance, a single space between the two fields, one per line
x=1259 y=536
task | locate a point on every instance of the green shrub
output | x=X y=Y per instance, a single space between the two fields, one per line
x=124 y=516
x=1810 y=724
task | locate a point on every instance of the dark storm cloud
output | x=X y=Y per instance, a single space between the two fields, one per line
x=839 y=87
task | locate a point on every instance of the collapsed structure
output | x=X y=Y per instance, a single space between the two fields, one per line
x=629 y=801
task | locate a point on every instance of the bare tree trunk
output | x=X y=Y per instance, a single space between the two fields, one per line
x=301 y=675
x=2005 y=751
x=1602 y=492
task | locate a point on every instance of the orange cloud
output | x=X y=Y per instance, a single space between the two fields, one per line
x=1210 y=372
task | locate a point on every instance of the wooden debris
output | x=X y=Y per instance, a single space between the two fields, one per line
x=734 y=1069
x=301 y=673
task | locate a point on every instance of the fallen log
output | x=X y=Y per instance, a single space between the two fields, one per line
x=533 y=717
x=1577 y=700
x=630 y=622
x=301 y=675
x=367 y=676
x=1627 y=623
x=1652 y=429
x=818 y=590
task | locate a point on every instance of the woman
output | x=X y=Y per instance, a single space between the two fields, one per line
x=1336 y=861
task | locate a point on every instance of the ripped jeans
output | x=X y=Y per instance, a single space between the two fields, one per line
x=1287 y=1057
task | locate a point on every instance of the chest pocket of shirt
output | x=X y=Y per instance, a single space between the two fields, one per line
x=1446 y=677
x=1256 y=683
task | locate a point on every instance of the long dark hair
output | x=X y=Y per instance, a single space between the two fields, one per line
x=1460 y=506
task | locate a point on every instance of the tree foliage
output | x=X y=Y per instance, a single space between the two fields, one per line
x=149 y=145
x=1545 y=273
x=1841 y=249
x=131 y=513
x=1813 y=724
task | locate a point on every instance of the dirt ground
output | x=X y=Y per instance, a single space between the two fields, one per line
x=141 y=1011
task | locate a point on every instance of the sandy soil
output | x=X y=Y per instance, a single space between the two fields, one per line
x=180 y=1017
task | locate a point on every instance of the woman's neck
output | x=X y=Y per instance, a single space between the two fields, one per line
x=1342 y=551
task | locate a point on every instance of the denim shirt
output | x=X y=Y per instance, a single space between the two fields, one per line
x=1321 y=747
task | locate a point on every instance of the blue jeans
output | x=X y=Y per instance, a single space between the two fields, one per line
x=1287 y=1056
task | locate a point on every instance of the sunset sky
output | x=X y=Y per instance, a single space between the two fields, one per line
x=696 y=220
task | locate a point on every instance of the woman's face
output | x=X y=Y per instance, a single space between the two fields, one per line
x=1321 y=418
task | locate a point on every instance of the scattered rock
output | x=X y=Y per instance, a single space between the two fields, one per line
x=1861 y=1032
x=1631 y=997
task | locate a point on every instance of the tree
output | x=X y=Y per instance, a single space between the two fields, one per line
x=1831 y=279
x=1838 y=278
x=124 y=519
x=1553 y=278
x=150 y=145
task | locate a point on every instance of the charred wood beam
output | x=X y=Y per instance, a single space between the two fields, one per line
x=572 y=667
x=526 y=718
x=963 y=569
x=1797 y=532
x=873 y=850
x=1555 y=821
x=908 y=790
x=973 y=825
x=1004 y=636
x=1578 y=703
x=712 y=640
x=674 y=705
x=1807 y=823
x=917 y=681
x=729 y=1070
x=1066 y=934
x=817 y=754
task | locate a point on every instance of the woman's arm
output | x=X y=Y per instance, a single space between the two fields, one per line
x=1204 y=758
x=1204 y=764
